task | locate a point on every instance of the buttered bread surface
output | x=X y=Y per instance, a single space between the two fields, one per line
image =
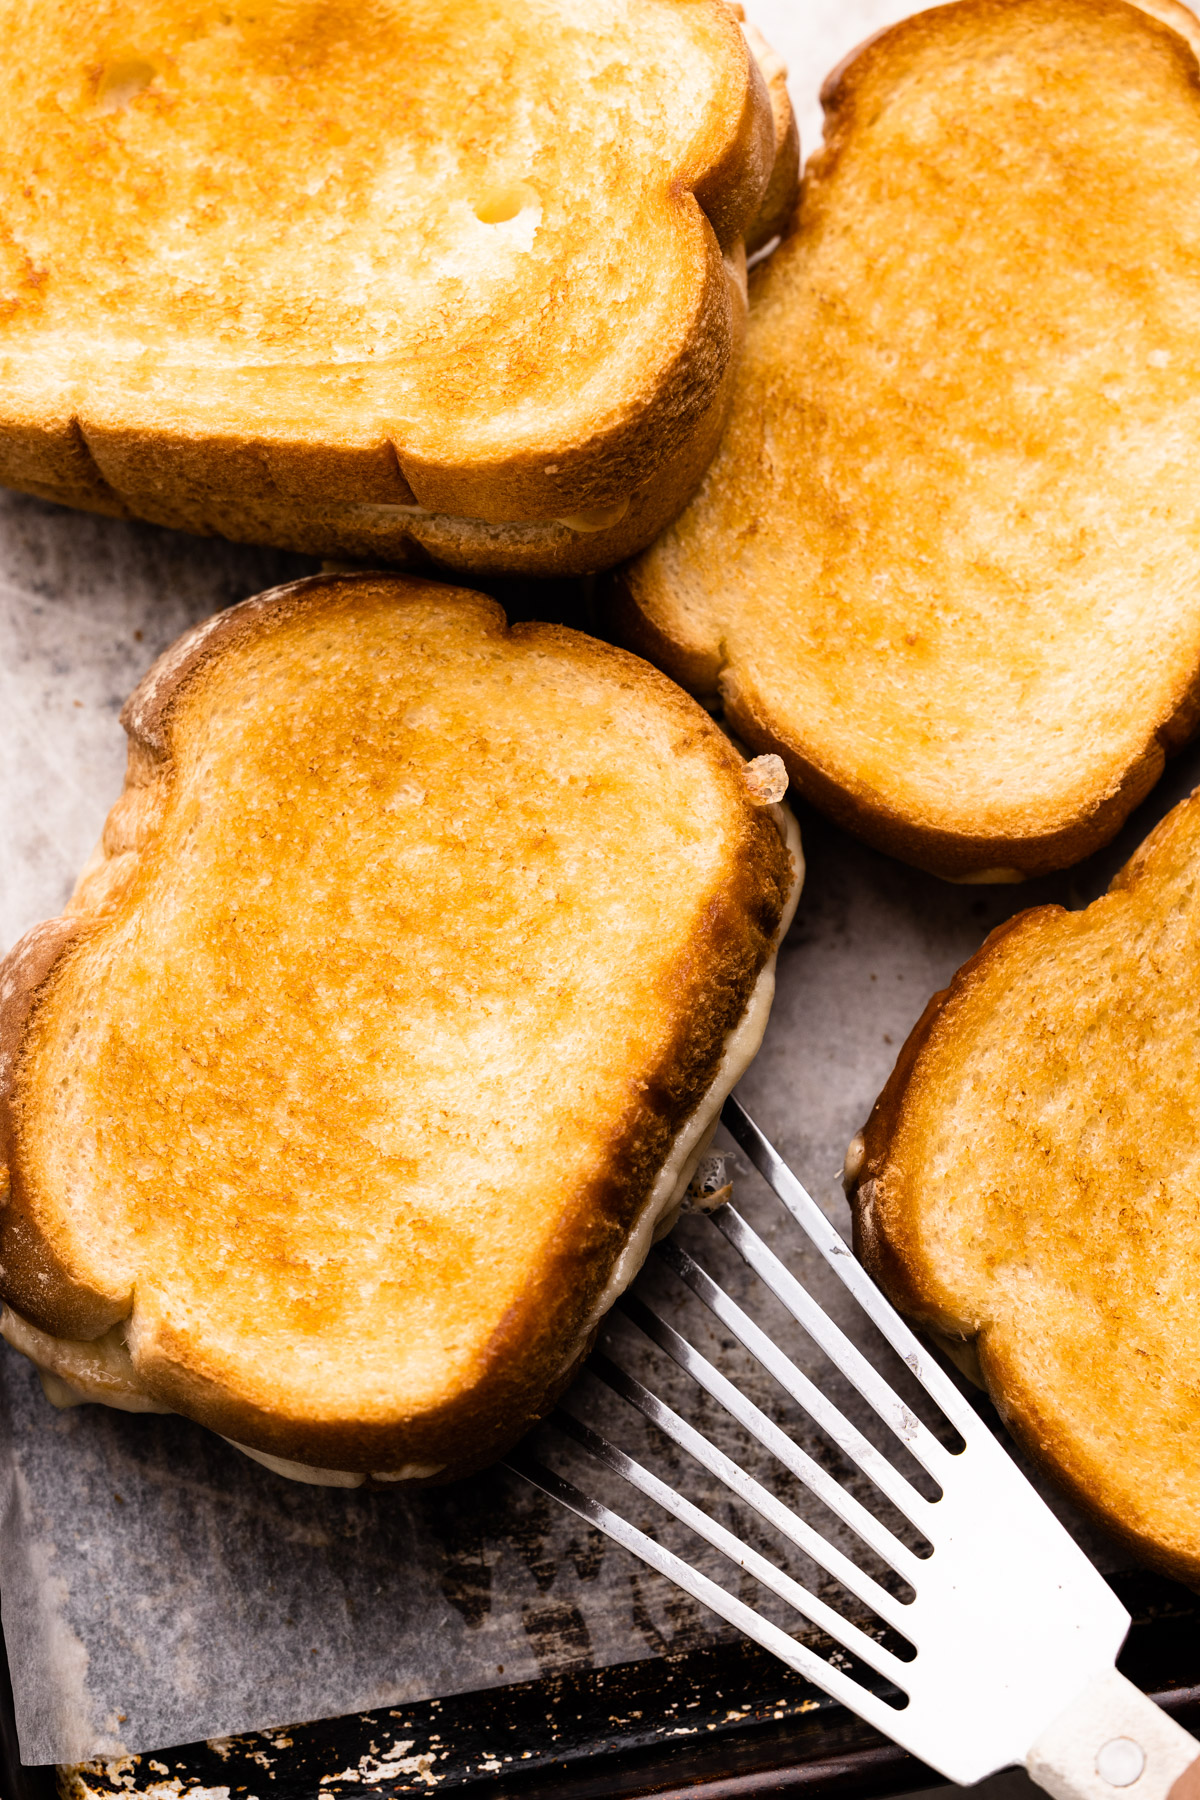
x=947 y=560
x=280 y=270
x=414 y=943
x=1029 y=1185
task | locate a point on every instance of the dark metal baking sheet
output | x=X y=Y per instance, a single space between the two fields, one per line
x=726 y=1723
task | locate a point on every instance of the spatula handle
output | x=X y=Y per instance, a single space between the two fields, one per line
x=1112 y=1743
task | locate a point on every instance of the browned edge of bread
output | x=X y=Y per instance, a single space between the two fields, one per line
x=783 y=189
x=868 y=1156
x=522 y=1369
x=954 y=856
x=447 y=547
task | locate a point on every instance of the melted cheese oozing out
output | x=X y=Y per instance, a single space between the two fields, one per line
x=74 y=1373
x=296 y=1471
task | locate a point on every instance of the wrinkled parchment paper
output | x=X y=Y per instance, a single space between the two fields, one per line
x=158 y=1587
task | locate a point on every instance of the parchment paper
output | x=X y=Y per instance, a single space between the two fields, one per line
x=157 y=1587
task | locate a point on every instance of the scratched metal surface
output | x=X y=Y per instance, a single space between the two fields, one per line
x=157 y=1587
x=709 y=1716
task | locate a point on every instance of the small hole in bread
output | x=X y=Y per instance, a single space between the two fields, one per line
x=123 y=80
x=504 y=203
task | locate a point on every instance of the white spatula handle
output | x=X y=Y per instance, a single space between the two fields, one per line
x=1111 y=1744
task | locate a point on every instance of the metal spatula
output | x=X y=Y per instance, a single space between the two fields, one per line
x=1015 y=1633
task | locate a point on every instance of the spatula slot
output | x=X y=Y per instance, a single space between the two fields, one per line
x=961 y=1654
x=855 y=1668
x=892 y=1500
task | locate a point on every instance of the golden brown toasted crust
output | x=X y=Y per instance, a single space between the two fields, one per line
x=1179 y=17
x=779 y=202
x=305 y=269
x=944 y=562
x=411 y=947
x=23 y=974
x=1028 y=1183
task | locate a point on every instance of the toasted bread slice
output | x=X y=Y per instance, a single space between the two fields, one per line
x=384 y=1027
x=1028 y=1186
x=947 y=560
x=442 y=278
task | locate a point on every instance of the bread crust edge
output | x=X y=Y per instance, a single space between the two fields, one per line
x=698 y=664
